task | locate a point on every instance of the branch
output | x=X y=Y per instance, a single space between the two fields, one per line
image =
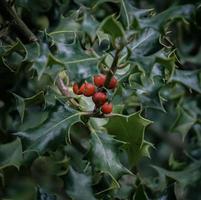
x=62 y=87
x=113 y=67
x=9 y=14
x=95 y=114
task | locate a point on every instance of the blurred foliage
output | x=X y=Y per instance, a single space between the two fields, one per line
x=150 y=148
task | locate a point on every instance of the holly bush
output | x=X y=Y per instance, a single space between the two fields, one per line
x=141 y=59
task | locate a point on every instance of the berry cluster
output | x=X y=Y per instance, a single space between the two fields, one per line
x=98 y=93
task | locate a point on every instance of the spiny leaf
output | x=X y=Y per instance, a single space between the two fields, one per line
x=159 y=21
x=187 y=114
x=186 y=176
x=191 y=79
x=129 y=129
x=11 y=154
x=22 y=103
x=104 y=152
x=146 y=43
x=112 y=27
x=52 y=132
x=79 y=185
x=147 y=90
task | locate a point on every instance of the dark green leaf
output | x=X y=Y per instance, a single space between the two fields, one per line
x=52 y=131
x=112 y=27
x=79 y=185
x=11 y=154
x=104 y=155
x=191 y=79
x=129 y=129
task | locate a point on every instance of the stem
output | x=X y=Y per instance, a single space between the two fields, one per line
x=93 y=114
x=64 y=90
x=9 y=14
x=62 y=87
x=113 y=67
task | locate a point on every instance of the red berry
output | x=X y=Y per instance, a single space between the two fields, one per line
x=99 y=98
x=89 y=89
x=99 y=80
x=82 y=88
x=76 y=89
x=106 y=108
x=113 y=83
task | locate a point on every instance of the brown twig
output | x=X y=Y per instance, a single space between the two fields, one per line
x=9 y=14
x=64 y=90
x=95 y=115
x=113 y=67
x=62 y=87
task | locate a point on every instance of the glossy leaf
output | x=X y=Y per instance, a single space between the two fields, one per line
x=112 y=27
x=129 y=129
x=104 y=153
x=11 y=154
x=79 y=185
x=190 y=79
x=51 y=132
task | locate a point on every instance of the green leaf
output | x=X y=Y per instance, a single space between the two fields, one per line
x=33 y=51
x=80 y=63
x=41 y=61
x=187 y=114
x=104 y=153
x=11 y=154
x=14 y=55
x=22 y=103
x=144 y=151
x=20 y=106
x=191 y=79
x=70 y=53
x=147 y=90
x=112 y=27
x=79 y=185
x=159 y=21
x=33 y=119
x=125 y=13
x=102 y=37
x=140 y=194
x=52 y=132
x=146 y=43
x=129 y=129
x=185 y=177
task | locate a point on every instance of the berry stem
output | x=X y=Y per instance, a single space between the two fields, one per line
x=62 y=87
x=64 y=90
x=95 y=115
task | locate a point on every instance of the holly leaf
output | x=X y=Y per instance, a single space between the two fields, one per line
x=80 y=63
x=187 y=115
x=147 y=90
x=187 y=176
x=112 y=27
x=104 y=155
x=78 y=185
x=129 y=129
x=176 y=12
x=146 y=43
x=22 y=103
x=191 y=79
x=11 y=154
x=52 y=132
